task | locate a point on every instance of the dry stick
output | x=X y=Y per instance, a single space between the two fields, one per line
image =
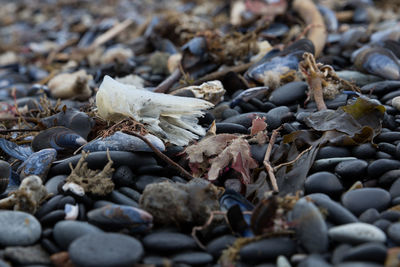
x=207 y=223
x=161 y=155
x=308 y=11
x=266 y=162
x=292 y=161
x=165 y=85
x=111 y=33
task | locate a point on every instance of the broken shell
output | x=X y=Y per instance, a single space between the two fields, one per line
x=248 y=94
x=74 y=188
x=121 y=216
x=71 y=211
x=71 y=85
x=59 y=138
x=14 y=150
x=120 y=141
x=212 y=91
x=378 y=61
x=173 y=118
x=38 y=163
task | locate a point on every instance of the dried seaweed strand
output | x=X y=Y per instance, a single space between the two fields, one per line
x=205 y=225
x=266 y=162
x=164 y=157
x=293 y=161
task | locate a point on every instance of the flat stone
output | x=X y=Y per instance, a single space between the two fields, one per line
x=359 y=200
x=65 y=232
x=375 y=252
x=105 y=250
x=333 y=152
x=32 y=255
x=355 y=233
x=193 y=258
x=364 y=151
x=311 y=229
x=288 y=93
x=226 y=127
x=336 y=213
x=393 y=232
x=216 y=246
x=395 y=189
x=369 y=216
x=352 y=169
x=18 y=228
x=168 y=242
x=267 y=249
x=314 y=260
x=380 y=166
x=323 y=182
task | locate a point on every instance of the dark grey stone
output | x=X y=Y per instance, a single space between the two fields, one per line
x=168 y=242
x=18 y=228
x=359 y=200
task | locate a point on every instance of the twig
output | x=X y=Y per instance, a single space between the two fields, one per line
x=308 y=11
x=219 y=74
x=164 y=157
x=206 y=224
x=292 y=161
x=111 y=33
x=266 y=162
x=169 y=81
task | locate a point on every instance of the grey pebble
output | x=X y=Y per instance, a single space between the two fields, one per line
x=355 y=233
x=18 y=228
x=359 y=200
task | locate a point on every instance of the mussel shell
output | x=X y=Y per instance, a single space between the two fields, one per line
x=378 y=61
x=38 y=163
x=14 y=150
x=59 y=138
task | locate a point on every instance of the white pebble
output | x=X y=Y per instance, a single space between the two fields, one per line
x=396 y=102
x=357 y=233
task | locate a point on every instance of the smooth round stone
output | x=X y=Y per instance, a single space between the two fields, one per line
x=389 y=177
x=276 y=116
x=258 y=152
x=380 y=166
x=393 y=232
x=216 y=246
x=383 y=155
x=387 y=148
x=49 y=206
x=157 y=261
x=336 y=212
x=52 y=217
x=355 y=233
x=352 y=169
x=395 y=189
x=323 y=182
x=97 y=160
x=369 y=216
x=226 y=127
x=193 y=258
x=381 y=87
x=129 y=192
x=123 y=176
x=375 y=252
x=332 y=152
x=328 y=164
x=358 y=264
x=122 y=199
x=64 y=201
x=339 y=252
x=27 y=256
x=245 y=119
x=389 y=137
x=288 y=93
x=391 y=215
x=227 y=113
x=396 y=102
x=105 y=249
x=314 y=260
x=151 y=170
x=364 y=151
x=142 y=181
x=65 y=232
x=168 y=242
x=382 y=224
x=18 y=228
x=267 y=249
x=359 y=200
x=52 y=184
x=311 y=229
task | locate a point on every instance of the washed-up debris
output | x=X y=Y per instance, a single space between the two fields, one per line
x=71 y=85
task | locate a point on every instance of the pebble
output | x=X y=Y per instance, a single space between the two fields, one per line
x=106 y=249
x=18 y=228
x=288 y=93
x=355 y=233
x=168 y=242
x=65 y=232
x=396 y=102
x=122 y=199
x=52 y=184
x=352 y=170
x=382 y=224
x=369 y=216
x=395 y=189
x=329 y=163
x=244 y=119
x=123 y=176
x=226 y=127
x=142 y=181
x=193 y=258
x=393 y=232
x=391 y=215
x=359 y=200
x=336 y=213
x=31 y=255
x=216 y=246
x=323 y=182
x=267 y=249
x=371 y=251
x=380 y=166
x=389 y=177
x=364 y=151
x=314 y=260
x=333 y=152
x=311 y=229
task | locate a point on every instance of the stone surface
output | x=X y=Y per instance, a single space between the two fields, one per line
x=359 y=200
x=105 y=249
x=354 y=233
x=18 y=228
x=168 y=242
x=323 y=182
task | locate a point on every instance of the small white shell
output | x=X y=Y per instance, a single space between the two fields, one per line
x=71 y=212
x=74 y=188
